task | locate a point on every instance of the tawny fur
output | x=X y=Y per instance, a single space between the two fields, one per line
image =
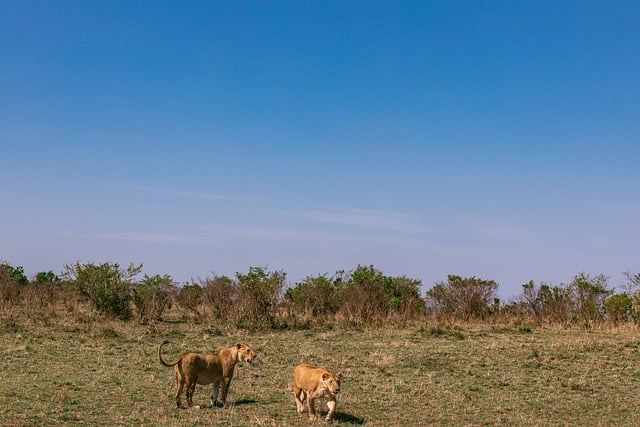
x=216 y=369
x=310 y=383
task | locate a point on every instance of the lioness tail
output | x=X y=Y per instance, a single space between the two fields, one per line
x=167 y=364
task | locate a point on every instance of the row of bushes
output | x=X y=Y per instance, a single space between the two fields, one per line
x=256 y=299
x=261 y=299
x=585 y=298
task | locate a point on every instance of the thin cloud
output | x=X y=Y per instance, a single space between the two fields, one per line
x=192 y=194
x=304 y=236
x=274 y=233
x=494 y=230
x=145 y=237
x=384 y=220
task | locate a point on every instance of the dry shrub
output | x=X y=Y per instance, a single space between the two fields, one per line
x=361 y=305
x=189 y=298
x=466 y=298
x=259 y=295
x=219 y=295
x=152 y=296
x=9 y=287
x=48 y=294
x=9 y=292
x=315 y=300
x=410 y=309
x=370 y=297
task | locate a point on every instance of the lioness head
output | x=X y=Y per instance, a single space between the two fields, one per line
x=331 y=383
x=245 y=353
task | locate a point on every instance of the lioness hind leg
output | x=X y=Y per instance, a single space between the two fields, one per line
x=178 y=393
x=191 y=388
x=214 y=393
x=179 y=388
x=299 y=395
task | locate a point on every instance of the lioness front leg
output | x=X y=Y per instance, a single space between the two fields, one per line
x=224 y=388
x=312 y=409
x=331 y=404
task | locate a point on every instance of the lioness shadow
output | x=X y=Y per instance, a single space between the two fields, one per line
x=231 y=404
x=244 y=402
x=347 y=418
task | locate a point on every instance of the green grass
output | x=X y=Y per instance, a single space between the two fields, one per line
x=62 y=369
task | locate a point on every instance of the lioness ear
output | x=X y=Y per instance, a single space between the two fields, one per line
x=325 y=377
x=238 y=346
x=339 y=376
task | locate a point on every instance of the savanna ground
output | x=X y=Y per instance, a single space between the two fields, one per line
x=73 y=368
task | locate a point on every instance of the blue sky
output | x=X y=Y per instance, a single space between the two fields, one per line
x=495 y=139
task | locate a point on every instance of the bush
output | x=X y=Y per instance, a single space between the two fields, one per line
x=315 y=296
x=190 y=297
x=633 y=290
x=151 y=296
x=46 y=277
x=107 y=287
x=618 y=307
x=220 y=295
x=406 y=301
x=11 y=283
x=363 y=296
x=16 y=273
x=46 y=290
x=464 y=298
x=259 y=295
x=550 y=302
x=588 y=296
x=370 y=296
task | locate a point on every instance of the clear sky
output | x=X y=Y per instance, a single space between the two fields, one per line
x=497 y=139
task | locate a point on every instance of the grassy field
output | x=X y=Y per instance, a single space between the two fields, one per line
x=60 y=369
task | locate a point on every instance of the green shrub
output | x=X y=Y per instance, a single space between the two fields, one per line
x=259 y=295
x=549 y=302
x=370 y=296
x=46 y=277
x=363 y=296
x=107 y=287
x=588 y=295
x=464 y=298
x=405 y=300
x=618 y=307
x=16 y=273
x=315 y=297
x=151 y=296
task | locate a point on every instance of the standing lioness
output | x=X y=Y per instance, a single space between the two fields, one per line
x=217 y=369
x=311 y=383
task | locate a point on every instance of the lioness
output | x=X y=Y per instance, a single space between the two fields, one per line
x=311 y=383
x=217 y=368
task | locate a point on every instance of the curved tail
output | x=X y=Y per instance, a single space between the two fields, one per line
x=167 y=364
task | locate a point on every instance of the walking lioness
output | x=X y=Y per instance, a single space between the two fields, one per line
x=217 y=369
x=311 y=383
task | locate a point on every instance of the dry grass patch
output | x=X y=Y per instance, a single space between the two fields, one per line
x=84 y=369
